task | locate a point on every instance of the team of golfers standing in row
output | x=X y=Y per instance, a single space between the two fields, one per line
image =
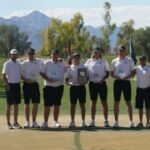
x=96 y=71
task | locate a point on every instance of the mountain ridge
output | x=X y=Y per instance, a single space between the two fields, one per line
x=34 y=23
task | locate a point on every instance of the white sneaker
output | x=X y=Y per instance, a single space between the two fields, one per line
x=44 y=125
x=35 y=125
x=106 y=124
x=9 y=126
x=56 y=124
x=26 y=125
x=92 y=123
x=116 y=124
x=84 y=125
x=72 y=124
x=131 y=125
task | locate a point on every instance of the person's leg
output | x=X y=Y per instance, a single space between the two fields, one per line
x=27 y=112
x=46 y=113
x=15 y=113
x=57 y=97
x=93 y=109
x=56 y=110
x=82 y=107
x=141 y=115
x=105 y=109
x=72 y=112
x=130 y=113
x=103 y=95
x=93 y=95
x=34 y=111
x=117 y=96
x=148 y=115
x=35 y=96
x=8 y=113
x=116 y=110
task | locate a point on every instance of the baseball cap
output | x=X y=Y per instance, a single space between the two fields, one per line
x=55 y=51
x=31 y=51
x=97 y=49
x=121 y=48
x=76 y=55
x=13 y=51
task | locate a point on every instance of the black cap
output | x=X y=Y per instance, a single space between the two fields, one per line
x=76 y=55
x=55 y=51
x=97 y=49
x=121 y=48
x=143 y=57
x=31 y=51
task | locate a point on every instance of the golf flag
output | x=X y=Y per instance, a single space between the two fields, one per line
x=69 y=52
x=132 y=51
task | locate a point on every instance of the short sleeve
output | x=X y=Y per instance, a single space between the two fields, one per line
x=132 y=65
x=87 y=63
x=5 y=69
x=113 y=66
x=107 y=66
x=43 y=68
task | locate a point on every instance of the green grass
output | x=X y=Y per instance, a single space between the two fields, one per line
x=65 y=100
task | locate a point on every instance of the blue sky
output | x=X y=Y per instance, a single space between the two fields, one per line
x=122 y=10
x=9 y=6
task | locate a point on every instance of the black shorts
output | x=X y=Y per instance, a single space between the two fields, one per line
x=13 y=94
x=77 y=92
x=122 y=86
x=31 y=92
x=53 y=95
x=98 y=89
x=142 y=96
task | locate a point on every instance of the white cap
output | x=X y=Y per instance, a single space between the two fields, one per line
x=13 y=51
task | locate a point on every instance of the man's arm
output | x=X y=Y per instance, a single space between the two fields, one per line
x=6 y=81
x=44 y=76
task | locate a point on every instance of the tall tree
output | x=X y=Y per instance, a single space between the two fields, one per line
x=11 y=37
x=126 y=31
x=59 y=34
x=108 y=28
x=142 y=42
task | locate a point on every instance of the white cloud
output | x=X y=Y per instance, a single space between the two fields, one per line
x=19 y=13
x=94 y=16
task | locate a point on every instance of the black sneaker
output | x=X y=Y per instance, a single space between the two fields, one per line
x=16 y=126
x=140 y=125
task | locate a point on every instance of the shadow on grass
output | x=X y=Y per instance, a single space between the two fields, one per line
x=90 y=129
x=2 y=94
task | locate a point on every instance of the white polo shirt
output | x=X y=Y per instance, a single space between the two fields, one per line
x=122 y=67
x=97 y=69
x=143 y=76
x=54 y=71
x=12 y=69
x=72 y=73
x=31 y=69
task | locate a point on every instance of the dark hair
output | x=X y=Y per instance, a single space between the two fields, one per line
x=142 y=57
x=31 y=51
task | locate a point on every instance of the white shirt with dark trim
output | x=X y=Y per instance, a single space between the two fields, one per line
x=122 y=67
x=54 y=71
x=72 y=73
x=143 y=76
x=12 y=69
x=31 y=69
x=97 y=69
